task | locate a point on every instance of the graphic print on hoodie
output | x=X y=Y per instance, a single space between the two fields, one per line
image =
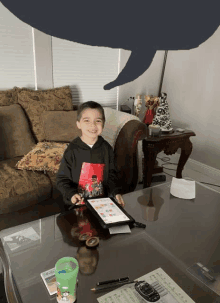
x=91 y=180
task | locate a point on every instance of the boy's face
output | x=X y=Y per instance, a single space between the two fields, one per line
x=91 y=123
x=94 y=180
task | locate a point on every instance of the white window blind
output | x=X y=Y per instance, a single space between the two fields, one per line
x=86 y=69
x=16 y=52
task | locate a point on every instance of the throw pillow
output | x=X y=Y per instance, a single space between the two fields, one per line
x=8 y=97
x=60 y=126
x=36 y=102
x=45 y=156
x=16 y=138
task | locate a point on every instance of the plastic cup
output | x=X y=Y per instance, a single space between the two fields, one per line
x=66 y=271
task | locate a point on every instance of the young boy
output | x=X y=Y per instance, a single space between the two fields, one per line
x=87 y=168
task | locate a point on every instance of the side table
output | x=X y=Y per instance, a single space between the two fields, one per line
x=169 y=143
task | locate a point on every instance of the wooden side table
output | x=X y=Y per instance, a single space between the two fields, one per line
x=169 y=143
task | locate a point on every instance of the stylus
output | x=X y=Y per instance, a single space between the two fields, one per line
x=113 y=281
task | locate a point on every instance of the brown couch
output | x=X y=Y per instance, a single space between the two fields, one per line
x=26 y=117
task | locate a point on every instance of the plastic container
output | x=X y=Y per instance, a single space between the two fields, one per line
x=66 y=272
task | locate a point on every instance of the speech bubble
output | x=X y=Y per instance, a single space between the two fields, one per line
x=141 y=26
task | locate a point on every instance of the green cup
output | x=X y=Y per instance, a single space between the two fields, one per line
x=66 y=271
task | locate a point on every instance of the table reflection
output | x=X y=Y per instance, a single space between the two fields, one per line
x=150 y=205
x=88 y=260
x=78 y=222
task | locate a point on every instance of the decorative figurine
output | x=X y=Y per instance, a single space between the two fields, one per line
x=151 y=104
x=162 y=117
x=137 y=105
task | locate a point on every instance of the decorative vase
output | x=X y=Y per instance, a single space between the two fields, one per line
x=162 y=117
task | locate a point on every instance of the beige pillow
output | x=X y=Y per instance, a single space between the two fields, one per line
x=8 y=97
x=45 y=156
x=36 y=102
x=16 y=138
x=60 y=126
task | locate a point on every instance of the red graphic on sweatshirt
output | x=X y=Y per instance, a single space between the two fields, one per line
x=91 y=180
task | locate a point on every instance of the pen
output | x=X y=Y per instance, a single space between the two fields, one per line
x=113 y=281
x=105 y=287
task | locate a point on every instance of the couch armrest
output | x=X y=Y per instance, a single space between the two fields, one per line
x=126 y=153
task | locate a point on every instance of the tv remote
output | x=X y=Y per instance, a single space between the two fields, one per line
x=147 y=292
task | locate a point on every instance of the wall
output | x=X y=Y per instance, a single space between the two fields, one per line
x=147 y=83
x=191 y=81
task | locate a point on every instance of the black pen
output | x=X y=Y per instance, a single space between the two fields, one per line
x=113 y=281
x=108 y=286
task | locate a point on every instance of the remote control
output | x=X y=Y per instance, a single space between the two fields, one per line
x=147 y=292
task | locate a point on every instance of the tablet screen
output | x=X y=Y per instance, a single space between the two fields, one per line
x=108 y=210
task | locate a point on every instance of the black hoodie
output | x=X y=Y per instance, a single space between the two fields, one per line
x=70 y=170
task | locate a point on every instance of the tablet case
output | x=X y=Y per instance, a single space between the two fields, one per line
x=100 y=220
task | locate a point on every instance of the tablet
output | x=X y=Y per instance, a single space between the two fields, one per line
x=108 y=212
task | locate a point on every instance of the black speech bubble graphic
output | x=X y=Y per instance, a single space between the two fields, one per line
x=142 y=26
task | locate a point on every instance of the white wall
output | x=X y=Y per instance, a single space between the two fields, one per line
x=192 y=84
x=147 y=83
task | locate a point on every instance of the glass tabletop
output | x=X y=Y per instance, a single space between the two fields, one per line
x=178 y=234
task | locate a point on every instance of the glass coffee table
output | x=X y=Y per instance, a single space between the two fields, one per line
x=179 y=234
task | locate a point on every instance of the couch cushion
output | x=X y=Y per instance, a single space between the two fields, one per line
x=20 y=189
x=8 y=97
x=15 y=134
x=36 y=102
x=45 y=156
x=60 y=126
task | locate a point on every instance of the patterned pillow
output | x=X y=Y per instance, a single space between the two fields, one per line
x=35 y=102
x=45 y=156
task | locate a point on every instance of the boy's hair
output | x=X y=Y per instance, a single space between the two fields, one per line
x=92 y=105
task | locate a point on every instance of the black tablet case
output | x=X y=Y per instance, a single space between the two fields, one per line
x=102 y=223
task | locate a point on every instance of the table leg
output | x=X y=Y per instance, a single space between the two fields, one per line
x=186 y=150
x=150 y=155
x=11 y=290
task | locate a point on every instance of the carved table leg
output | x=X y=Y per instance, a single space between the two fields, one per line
x=150 y=155
x=186 y=150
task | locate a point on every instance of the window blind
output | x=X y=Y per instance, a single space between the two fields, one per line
x=86 y=69
x=16 y=52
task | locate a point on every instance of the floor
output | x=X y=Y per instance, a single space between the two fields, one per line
x=187 y=172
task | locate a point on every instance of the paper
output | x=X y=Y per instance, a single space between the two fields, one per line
x=119 y=229
x=21 y=238
x=183 y=189
x=108 y=210
x=168 y=290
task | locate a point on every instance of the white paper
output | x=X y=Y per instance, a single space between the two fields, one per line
x=22 y=237
x=183 y=189
x=108 y=210
x=119 y=229
x=168 y=290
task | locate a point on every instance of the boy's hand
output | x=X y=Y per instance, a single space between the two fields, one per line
x=120 y=200
x=76 y=199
